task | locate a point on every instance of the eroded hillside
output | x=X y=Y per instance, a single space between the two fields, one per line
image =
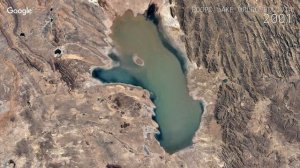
x=53 y=114
x=257 y=104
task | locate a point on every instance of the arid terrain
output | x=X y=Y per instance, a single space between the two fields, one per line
x=54 y=114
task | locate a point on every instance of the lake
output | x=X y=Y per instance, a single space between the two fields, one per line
x=145 y=60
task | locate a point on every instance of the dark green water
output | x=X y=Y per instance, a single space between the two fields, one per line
x=177 y=114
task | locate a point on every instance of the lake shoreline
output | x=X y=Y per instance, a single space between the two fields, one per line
x=175 y=67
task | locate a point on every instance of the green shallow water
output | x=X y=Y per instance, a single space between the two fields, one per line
x=177 y=114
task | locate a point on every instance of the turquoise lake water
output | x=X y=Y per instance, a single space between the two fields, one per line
x=177 y=114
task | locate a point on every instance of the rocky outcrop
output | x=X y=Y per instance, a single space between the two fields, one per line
x=259 y=68
x=52 y=113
